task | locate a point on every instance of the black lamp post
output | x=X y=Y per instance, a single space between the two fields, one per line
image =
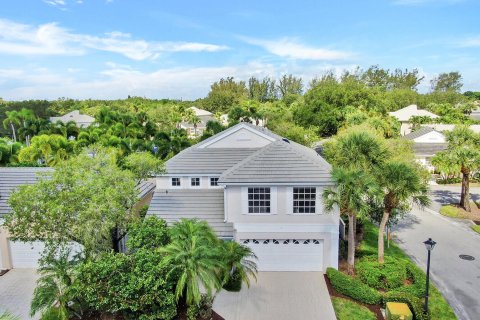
x=429 y=244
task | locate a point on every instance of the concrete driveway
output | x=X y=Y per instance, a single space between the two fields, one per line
x=457 y=279
x=16 y=290
x=280 y=296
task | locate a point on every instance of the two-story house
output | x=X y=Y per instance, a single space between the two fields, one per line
x=259 y=189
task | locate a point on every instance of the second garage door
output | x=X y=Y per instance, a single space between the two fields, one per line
x=287 y=254
x=25 y=254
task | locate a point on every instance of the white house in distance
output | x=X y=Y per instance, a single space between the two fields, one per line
x=204 y=117
x=82 y=120
x=404 y=115
x=256 y=188
x=426 y=143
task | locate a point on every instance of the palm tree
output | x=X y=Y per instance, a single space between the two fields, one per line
x=11 y=120
x=237 y=258
x=193 y=254
x=53 y=287
x=352 y=189
x=401 y=184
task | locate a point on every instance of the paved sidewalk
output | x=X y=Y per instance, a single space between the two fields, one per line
x=16 y=290
x=457 y=279
x=279 y=296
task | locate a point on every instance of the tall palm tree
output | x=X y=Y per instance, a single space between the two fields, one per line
x=193 y=254
x=402 y=185
x=352 y=189
x=11 y=120
x=238 y=259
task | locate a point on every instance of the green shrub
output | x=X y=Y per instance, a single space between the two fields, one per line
x=54 y=313
x=138 y=286
x=149 y=233
x=201 y=311
x=389 y=275
x=234 y=282
x=353 y=288
x=415 y=304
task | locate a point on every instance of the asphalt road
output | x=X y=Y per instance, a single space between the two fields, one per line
x=457 y=279
x=441 y=195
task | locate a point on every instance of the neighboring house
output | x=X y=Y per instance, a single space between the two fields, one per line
x=17 y=254
x=204 y=117
x=225 y=121
x=440 y=127
x=256 y=188
x=82 y=120
x=404 y=115
x=426 y=143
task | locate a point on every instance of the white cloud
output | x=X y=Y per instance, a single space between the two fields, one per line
x=118 y=81
x=470 y=42
x=290 y=48
x=51 y=39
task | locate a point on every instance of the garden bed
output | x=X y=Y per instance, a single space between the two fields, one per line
x=374 y=308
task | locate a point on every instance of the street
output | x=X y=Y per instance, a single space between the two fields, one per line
x=457 y=279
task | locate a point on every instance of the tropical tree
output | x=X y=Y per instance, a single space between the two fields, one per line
x=239 y=261
x=193 y=255
x=144 y=165
x=12 y=119
x=191 y=117
x=353 y=188
x=86 y=199
x=401 y=185
x=53 y=290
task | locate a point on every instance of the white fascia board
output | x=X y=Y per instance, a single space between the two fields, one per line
x=229 y=132
x=213 y=175
x=296 y=184
x=286 y=228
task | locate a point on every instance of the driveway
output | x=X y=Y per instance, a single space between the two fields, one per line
x=457 y=279
x=16 y=290
x=280 y=296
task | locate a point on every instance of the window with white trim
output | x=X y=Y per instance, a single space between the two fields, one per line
x=259 y=200
x=304 y=199
x=175 y=182
x=214 y=182
x=195 y=182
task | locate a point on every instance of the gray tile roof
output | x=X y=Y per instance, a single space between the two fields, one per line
x=208 y=160
x=12 y=178
x=420 y=132
x=145 y=187
x=280 y=162
x=202 y=204
x=428 y=149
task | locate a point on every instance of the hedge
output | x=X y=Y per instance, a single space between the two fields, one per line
x=415 y=304
x=389 y=275
x=353 y=288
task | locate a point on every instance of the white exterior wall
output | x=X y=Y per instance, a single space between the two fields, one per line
x=431 y=137
x=242 y=138
x=282 y=223
x=165 y=182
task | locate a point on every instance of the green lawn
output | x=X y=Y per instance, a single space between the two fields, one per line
x=452 y=212
x=439 y=308
x=349 y=310
x=475 y=228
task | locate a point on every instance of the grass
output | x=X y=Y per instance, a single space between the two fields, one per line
x=439 y=307
x=8 y=316
x=457 y=212
x=475 y=228
x=349 y=310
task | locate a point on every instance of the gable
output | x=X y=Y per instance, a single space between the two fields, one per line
x=431 y=137
x=242 y=137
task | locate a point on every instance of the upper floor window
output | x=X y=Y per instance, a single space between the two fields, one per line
x=304 y=199
x=259 y=200
x=213 y=182
x=195 y=182
x=175 y=182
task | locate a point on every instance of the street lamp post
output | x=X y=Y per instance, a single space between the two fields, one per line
x=429 y=244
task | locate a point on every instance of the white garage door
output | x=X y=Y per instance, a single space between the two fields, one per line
x=25 y=254
x=287 y=254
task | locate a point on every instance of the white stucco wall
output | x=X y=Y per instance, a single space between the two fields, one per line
x=242 y=138
x=164 y=182
x=431 y=137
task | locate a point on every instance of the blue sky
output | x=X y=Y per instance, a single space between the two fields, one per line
x=175 y=49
